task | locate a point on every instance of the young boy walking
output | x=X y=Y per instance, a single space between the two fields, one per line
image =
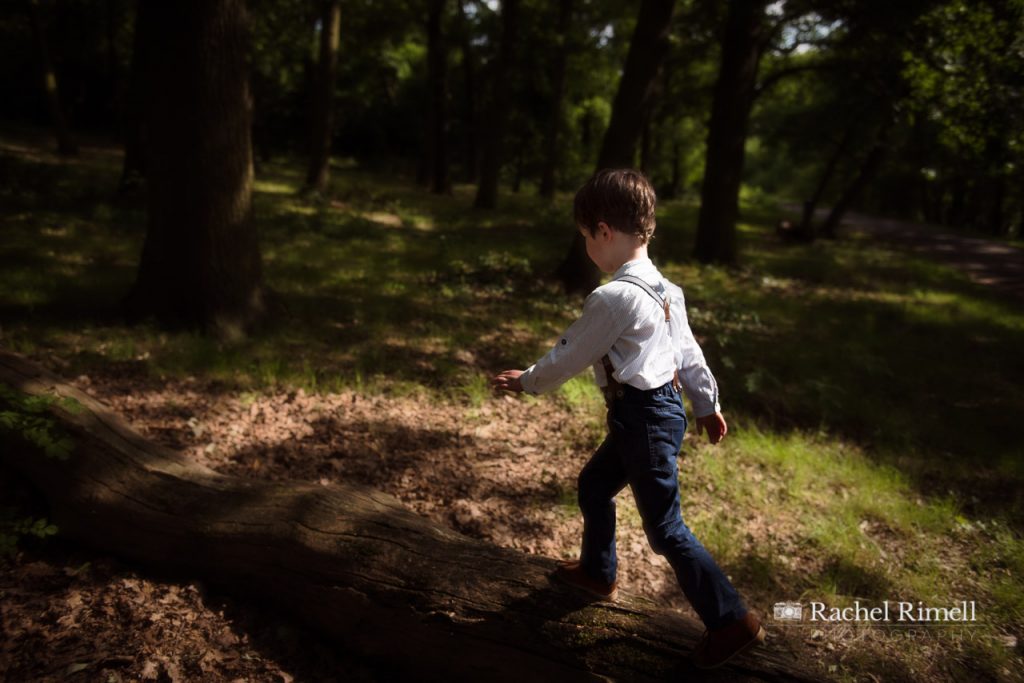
x=635 y=334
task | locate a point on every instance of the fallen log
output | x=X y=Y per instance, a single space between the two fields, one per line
x=424 y=601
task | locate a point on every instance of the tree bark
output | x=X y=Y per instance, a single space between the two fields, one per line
x=742 y=46
x=322 y=131
x=551 y=147
x=490 y=163
x=437 y=120
x=429 y=603
x=864 y=175
x=647 y=50
x=676 y=183
x=133 y=169
x=471 y=159
x=65 y=143
x=807 y=231
x=200 y=264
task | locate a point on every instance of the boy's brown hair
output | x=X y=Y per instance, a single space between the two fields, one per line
x=621 y=197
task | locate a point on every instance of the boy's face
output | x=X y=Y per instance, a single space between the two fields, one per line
x=600 y=246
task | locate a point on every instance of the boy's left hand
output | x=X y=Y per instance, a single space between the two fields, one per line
x=714 y=425
x=507 y=381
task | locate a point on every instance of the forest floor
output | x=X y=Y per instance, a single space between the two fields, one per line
x=871 y=395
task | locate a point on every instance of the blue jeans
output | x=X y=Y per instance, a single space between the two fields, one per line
x=645 y=433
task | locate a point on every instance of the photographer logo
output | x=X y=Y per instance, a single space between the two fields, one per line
x=788 y=611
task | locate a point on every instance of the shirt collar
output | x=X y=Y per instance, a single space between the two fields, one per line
x=634 y=267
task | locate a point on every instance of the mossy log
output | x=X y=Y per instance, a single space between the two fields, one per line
x=421 y=600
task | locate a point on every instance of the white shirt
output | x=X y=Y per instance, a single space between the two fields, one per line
x=624 y=321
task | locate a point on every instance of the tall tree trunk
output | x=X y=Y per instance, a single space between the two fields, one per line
x=437 y=119
x=133 y=169
x=867 y=171
x=319 y=173
x=645 y=143
x=65 y=143
x=200 y=264
x=676 y=183
x=551 y=150
x=647 y=51
x=997 y=193
x=807 y=230
x=958 y=199
x=471 y=160
x=490 y=163
x=742 y=45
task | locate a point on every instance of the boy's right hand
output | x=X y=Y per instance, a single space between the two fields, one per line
x=714 y=425
x=507 y=381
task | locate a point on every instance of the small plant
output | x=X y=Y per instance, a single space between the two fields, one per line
x=14 y=528
x=27 y=417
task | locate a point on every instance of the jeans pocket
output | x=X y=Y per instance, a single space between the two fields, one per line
x=664 y=439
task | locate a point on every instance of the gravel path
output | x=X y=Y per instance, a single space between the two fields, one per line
x=986 y=261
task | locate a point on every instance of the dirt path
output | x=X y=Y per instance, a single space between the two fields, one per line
x=986 y=261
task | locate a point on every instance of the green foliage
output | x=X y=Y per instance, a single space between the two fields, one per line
x=13 y=528
x=968 y=79
x=26 y=417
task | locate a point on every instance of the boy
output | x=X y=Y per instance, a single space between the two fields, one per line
x=635 y=334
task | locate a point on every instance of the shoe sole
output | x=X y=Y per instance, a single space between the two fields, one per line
x=754 y=642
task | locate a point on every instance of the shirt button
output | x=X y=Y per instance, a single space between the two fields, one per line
x=564 y=342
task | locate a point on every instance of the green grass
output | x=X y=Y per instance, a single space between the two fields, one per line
x=873 y=397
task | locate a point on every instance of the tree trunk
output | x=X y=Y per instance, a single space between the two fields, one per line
x=427 y=602
x=647 y=50
x=200 y=264
x=676 y=183
x=864 y=175
x=997 y=192
x=742 y=45
x=133 y=169
x=322 y=130
x=807 y=230
x=645 y=144
x=490 y=163
x=437 y=119
x=65 y=143
x=471 y=160
x=551 y=147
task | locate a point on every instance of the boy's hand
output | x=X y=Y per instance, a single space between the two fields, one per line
x=507 y=381
x=714 y=425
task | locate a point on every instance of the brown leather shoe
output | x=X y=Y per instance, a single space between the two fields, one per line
x=572 y=573
x=719 y=646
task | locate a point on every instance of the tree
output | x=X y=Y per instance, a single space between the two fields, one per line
x=65 y=143
x=200 y=264
x=322 y=129
x=744 y=40
x=437 y=118
x=133 y=168
x=967 y=89
x=491 y=160
x=633 y=100
x=471 y=157
x=551 y=150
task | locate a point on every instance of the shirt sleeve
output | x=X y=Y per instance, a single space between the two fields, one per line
x=582 y=345
x=699 y=384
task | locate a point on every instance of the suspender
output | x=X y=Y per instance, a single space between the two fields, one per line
x=614 y=387
x=650 y=291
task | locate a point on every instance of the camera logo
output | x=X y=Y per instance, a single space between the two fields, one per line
x=788 y=611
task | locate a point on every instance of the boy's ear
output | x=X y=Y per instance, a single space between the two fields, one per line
x=602 y=229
